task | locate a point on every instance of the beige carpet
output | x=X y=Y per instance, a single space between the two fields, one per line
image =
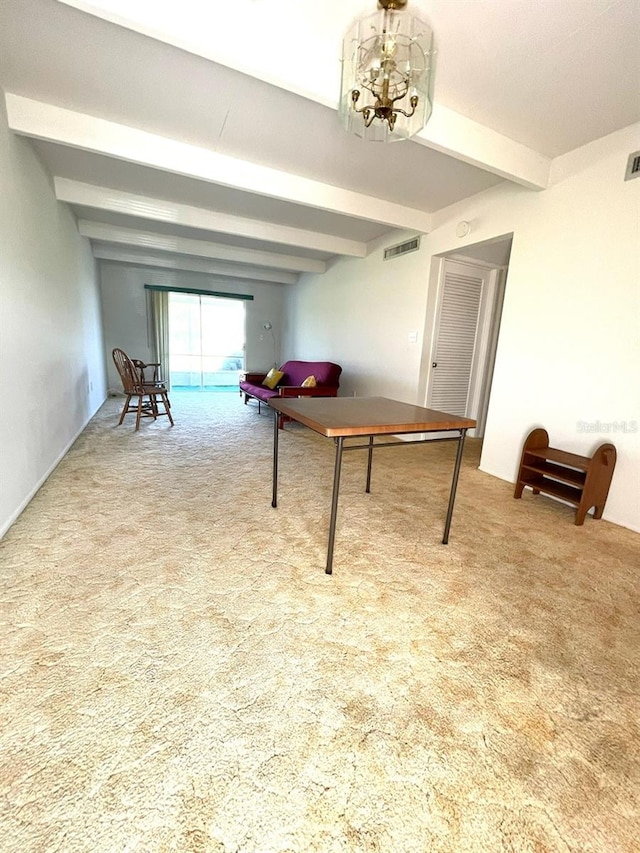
x=179 y=674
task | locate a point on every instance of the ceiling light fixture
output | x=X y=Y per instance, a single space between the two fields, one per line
x=387 y=74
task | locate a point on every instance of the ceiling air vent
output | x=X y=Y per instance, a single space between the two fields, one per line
x=633 y=166
x=402 y=249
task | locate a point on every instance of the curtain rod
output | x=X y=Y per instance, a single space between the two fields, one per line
x=196 y=292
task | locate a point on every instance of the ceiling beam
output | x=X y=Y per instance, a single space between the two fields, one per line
x=201 y=265
x=161 y=210
x=39 y=120
x=457 y=136
x=447 y=131
x=200 y=248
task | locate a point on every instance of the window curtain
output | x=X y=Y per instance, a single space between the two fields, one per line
x=160 y=332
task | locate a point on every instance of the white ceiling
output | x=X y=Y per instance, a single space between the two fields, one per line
x=242 y=149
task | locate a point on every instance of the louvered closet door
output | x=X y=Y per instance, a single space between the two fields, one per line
x=456 y=330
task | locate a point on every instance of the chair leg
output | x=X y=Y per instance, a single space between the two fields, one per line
x=165 y=400
x=153 y=402
x=125 y=409
x=139 y=415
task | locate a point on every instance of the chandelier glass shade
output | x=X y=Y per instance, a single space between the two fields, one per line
x=387 y=74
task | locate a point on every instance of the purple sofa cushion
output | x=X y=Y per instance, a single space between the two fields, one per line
x=327 y=373
x=261 y=392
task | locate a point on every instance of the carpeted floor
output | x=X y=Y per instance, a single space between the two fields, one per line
x=177 y=673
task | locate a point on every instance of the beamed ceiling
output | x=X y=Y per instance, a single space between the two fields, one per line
x=204 y=135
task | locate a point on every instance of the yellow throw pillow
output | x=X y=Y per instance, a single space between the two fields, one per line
x=309 y=382
x=272 y=378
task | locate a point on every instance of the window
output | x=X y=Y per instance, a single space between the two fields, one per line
x=206 y=341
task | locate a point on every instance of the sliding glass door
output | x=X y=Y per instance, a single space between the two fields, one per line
x=206 y=341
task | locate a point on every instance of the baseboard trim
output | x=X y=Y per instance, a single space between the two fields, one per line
x=25 y=503
x=605 y=517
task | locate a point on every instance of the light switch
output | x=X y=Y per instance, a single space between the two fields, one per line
x=413 y=337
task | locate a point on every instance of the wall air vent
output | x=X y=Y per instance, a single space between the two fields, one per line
x=402 y=249
x=633 y=166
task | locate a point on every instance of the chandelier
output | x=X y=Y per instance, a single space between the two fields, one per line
x=387 y=74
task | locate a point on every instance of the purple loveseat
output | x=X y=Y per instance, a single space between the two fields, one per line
x=326 y=373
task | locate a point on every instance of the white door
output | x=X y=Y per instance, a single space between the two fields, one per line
x=461 y=339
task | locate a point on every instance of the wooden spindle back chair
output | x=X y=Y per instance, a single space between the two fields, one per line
x=148 y=394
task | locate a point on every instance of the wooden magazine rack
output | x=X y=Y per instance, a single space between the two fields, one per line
x=580 y=480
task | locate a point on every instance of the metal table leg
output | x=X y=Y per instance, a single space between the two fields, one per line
x=454 y=485
x=334 y=504
x=369 y=461
x=274 y=499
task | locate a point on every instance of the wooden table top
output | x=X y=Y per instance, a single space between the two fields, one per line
x=345 y=416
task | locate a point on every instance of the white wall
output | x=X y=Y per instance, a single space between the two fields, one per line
x=52 y=377
x=569 y=347
x=359 y=314
x=125 y=312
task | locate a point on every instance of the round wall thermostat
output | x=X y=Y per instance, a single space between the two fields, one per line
x=463 y=229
